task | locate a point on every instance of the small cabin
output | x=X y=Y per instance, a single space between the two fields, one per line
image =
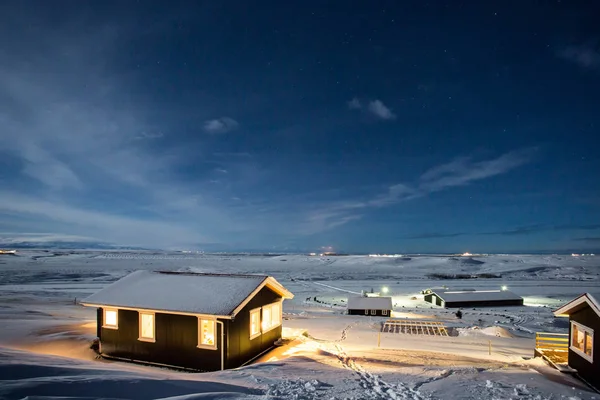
x=372 y=306
x=584 y=317
x=472 y=298
x=201 y=322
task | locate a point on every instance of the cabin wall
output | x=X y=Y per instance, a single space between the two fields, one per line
x=176 y=341
x=433 y=299
x=588 y=371
x=378 y=313
x=240 y=348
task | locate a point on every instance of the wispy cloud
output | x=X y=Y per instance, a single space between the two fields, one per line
x=220 y=125
x=354 y=104
x=595 y=240
x=374 y=107
x=520 y=230
x=585 y=55
x=380 y=110
x=464 y=170
x=459 y=172
x=84 y=158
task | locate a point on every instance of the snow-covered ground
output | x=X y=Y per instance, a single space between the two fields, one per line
x=45 y=335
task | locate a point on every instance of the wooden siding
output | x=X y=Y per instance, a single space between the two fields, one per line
x=240 y=348
x=176 y=341
x=590 y=372
x=433 y=299
x=378 y=313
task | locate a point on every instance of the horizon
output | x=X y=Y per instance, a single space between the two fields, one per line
x=424 y=128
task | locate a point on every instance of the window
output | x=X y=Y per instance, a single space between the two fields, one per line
x=582 y=341
x=271 y=316
x=111 y=318
x=254 y=323
x=147 y=327
x=366 y=312
x=373 y=312
x=384 y=312
x=206 y=333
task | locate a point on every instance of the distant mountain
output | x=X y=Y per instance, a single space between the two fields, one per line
x=66 y=245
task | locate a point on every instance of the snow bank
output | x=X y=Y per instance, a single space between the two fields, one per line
x=497 y=331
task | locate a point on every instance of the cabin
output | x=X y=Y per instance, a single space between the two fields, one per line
x=472 y=298
x=372 y=306
x=583 y=356
x=200 y=322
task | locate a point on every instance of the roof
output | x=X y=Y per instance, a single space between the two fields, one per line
x=187 y=293
x=585 y=300
x=452 y=296
x=369 y=303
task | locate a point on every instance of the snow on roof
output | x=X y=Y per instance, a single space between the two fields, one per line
x=369 y=303
x=577 y=304
x=475 y=295
x=207 y=294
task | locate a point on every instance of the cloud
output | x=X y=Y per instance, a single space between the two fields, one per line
x=220 y=125
x=20 y=237
x=589 y=239
x=78 y=154
x=585 y=55
x=377 y=108
x=462 y=171
x=395 y=193
x=459 y=172
x=434 y=235
x=521 y=230
x=374 y=107
x=103 y=225
x=149 y=135
x=354 y=104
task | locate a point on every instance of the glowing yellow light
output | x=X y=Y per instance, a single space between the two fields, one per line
x=385 y=289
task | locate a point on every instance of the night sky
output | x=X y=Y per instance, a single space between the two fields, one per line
x=367 y=126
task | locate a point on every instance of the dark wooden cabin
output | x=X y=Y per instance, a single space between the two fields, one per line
x=584 y=317
x=375 y=306
x=202 y=322
x=472 y=298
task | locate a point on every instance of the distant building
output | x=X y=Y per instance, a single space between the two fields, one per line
x=204 y=322
x=584 y=318
x=472 y=298
x=373 y=306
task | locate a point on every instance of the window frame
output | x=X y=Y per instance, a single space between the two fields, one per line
x=587 y=332
x=373 y=312
x=104 y=324
x=146 y=339
x=259 y=325
x=366 y=312
x=270 y=308
x=202 y=345
x=384 y=312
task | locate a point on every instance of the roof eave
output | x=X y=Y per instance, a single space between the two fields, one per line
x=86 y=304
x=564 y=311
x=269 y=282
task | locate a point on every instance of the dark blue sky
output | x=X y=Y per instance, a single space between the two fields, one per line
x=377 y=126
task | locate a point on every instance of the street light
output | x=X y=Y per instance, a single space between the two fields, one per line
x=385 y=289
x=504 y=287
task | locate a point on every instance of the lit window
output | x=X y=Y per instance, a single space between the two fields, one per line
x=582 y=341
x=206 y=333
x=254 y=323
x=271 y=316
x=147 y=327
x=111 y=319
x=266 y=320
